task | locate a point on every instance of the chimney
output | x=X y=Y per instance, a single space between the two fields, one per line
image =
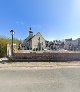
x=30 y=33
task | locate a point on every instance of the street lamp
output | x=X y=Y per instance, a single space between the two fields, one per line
x=12 y=33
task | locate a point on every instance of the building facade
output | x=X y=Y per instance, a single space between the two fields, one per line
x=72 y=45
x=34 y=42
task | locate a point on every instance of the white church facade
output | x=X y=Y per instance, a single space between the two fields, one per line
x=34 y=42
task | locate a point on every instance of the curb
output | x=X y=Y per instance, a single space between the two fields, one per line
x=30 y=65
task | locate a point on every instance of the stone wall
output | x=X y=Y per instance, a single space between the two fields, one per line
x=36 y=40
x=23 y=51
x=47 y=56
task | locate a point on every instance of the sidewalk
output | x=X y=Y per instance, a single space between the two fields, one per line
x=4 y=64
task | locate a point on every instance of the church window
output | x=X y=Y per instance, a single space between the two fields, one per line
x=39 y=38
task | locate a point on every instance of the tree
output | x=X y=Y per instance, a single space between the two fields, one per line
x=3 y=44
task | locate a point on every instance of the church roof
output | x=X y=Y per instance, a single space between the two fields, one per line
x=28 y=39
x=30 y=31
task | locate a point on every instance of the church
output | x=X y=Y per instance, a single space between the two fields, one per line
x=34 y=42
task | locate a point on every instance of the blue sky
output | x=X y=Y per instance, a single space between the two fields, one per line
x=55 y=19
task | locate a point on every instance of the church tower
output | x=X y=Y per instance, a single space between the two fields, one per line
x=30 y=33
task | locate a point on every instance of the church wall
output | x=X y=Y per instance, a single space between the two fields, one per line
x=36 y=40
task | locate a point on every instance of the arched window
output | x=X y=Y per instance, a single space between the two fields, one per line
x=39 y=38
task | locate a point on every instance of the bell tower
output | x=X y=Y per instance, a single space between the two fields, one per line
x=30 y=33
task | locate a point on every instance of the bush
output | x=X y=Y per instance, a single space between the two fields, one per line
x=3 y=44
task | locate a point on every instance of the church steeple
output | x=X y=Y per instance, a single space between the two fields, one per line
x=30 y=32
x=30 y=29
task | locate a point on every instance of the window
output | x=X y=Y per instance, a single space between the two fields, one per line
x=39 y=38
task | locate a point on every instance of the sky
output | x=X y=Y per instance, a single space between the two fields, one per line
x=54 y=19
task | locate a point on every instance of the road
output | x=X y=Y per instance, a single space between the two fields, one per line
x=40 y=80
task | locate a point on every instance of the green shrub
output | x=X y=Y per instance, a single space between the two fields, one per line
x=4 y=42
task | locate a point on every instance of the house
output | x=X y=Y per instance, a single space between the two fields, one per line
x=34 y=42
x=68 y=43
x=72 y=45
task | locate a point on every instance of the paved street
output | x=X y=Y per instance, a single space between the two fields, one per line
x=40 y=80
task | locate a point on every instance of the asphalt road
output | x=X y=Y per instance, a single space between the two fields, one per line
x=40 y=80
